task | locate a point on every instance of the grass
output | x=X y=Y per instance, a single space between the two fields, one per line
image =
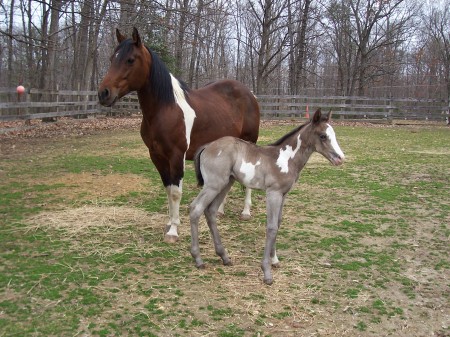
x=363 y=247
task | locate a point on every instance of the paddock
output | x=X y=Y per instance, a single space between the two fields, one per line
x=363 y=249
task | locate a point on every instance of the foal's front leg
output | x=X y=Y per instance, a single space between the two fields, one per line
x=274 y=206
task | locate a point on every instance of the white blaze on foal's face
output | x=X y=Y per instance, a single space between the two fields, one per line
x=287 y=153
x=333 y=141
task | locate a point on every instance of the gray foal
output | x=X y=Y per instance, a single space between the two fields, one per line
x=273 y=168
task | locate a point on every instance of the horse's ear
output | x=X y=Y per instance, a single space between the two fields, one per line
x=317 y=116
x=329 y=116
x=119 y=36
x=136 y=37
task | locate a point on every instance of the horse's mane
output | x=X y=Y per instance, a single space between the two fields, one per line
x=286 y=136
x=160 y=80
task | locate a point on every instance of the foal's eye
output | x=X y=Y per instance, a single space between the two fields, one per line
x=130 y=61
x=323 y=137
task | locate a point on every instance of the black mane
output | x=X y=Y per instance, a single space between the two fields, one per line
x=160 y=80
x=290 y=134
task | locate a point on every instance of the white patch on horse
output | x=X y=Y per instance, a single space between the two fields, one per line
x=117 y=55
x=248 y=169
x=188 y=112
x=220 y=152
x=334 y=144
x=286 y=154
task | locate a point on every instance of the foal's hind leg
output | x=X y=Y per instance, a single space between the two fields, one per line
x=197 y=208
x=211 y=218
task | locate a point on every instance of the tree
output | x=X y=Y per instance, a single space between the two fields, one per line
x=437 y=32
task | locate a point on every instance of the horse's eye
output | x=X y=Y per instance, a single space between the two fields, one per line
x=130 y=61
x=323 y=137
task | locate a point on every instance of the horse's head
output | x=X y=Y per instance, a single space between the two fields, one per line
x=321 y=136
x=129 y=69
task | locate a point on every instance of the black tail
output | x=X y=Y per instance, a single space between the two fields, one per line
x=198 y=172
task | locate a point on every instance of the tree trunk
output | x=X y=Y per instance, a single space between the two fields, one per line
x=180 y=39
x=10 y=44
x=195 y=42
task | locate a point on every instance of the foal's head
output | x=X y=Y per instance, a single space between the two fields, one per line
x=129 y=69
x=320 y=135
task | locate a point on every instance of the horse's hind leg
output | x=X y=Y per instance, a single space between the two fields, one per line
x=211 y=218
x=245 y=215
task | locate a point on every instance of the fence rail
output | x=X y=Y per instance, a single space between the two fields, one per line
x=37 y=104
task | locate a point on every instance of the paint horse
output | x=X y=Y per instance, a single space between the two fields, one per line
x=273 y=168
x=177 y=120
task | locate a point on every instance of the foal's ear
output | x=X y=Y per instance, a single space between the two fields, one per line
x=136 y=37
x=119 y=36
x=329 y=116
x=317 y=116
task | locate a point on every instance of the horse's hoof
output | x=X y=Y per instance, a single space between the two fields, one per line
x=170 y=238
x=246 y=217
x=268 y=281
x=276 y=265
x=220 y=214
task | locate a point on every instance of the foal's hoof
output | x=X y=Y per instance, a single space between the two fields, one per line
x=170 y=238
x=227 y=263
x=245 y=217
x=201 y=266
x=220 y=215
x=276 y=265
x=268 y=281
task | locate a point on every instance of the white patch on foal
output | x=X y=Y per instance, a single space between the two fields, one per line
x=334 y=144
x=248 y=169
x=286 y=154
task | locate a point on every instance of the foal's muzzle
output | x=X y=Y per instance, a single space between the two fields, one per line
x=337 y=159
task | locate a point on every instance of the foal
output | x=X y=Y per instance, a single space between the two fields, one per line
x=273 y=168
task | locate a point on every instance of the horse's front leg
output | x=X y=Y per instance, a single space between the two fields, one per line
x=171 y=173
x=174 y=193
x=274 y=204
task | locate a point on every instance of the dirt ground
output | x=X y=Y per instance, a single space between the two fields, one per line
x=432 y=317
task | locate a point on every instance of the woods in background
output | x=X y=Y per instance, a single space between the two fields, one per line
x=381 y=48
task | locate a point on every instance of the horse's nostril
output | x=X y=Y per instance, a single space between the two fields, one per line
x=103 y=95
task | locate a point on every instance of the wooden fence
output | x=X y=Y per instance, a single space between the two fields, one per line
x=40 y=104
x=37 y=104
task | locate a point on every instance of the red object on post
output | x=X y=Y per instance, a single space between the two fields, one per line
x=20 y=89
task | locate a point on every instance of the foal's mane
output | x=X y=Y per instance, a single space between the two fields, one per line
x=290 y=134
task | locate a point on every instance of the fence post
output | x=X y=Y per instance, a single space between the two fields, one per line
x=390 y=111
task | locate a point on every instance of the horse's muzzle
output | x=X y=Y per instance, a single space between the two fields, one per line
x=105 y=98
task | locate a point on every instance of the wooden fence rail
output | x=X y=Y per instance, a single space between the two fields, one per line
x=37 y=104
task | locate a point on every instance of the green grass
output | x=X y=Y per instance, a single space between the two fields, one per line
x=363 y=247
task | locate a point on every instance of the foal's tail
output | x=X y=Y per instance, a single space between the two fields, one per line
x=198 y=172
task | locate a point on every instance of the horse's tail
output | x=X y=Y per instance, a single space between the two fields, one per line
x=198 y=172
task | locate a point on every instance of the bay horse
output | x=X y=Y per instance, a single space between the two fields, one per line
x=177 y=120
x=273 y=168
